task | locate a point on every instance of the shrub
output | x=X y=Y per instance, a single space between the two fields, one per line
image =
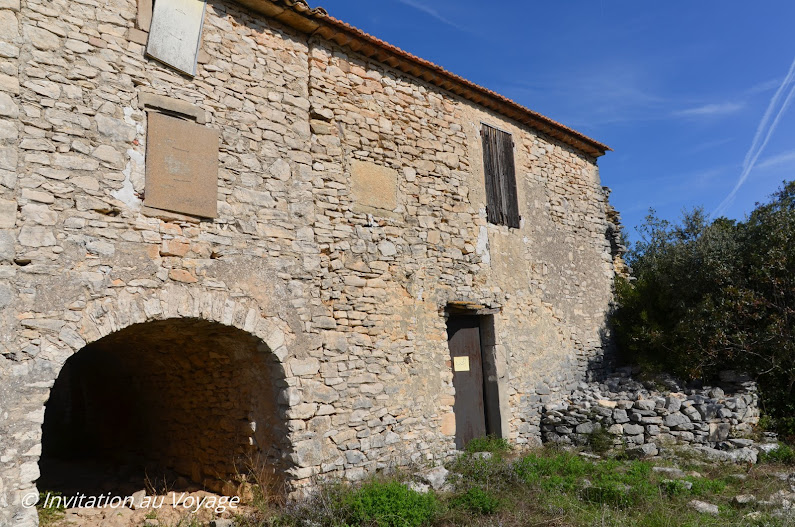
x=390 y=504
x=716 y=294
x=492 y=473
x=783 y=454
x=477 y=500
x=782 y=425
x=324 y=508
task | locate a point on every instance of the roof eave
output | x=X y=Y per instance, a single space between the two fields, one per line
x=298 y=15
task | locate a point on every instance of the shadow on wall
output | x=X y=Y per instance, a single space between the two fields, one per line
x=176 y=404
x=601 y=365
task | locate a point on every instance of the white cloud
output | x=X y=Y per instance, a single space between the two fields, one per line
x=710 y=110
x=762 y=87
x=777 y=160
x=419 y=6
x=764 y=132
x=708 y=145
x=607 y=93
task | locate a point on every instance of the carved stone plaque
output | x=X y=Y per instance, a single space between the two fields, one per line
x=181 y=166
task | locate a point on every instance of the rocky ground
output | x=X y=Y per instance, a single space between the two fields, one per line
x=172 y=509
x=494 y=485
x=142 y=499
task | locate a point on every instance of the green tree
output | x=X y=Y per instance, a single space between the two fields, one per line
x=712 y=295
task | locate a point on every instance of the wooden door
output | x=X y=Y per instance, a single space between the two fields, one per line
x=463 y=338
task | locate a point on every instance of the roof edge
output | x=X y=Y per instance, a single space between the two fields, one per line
x=316 y=21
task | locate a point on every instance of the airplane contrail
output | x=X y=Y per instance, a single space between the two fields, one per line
x=764 y=129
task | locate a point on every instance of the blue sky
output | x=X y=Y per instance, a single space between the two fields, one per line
x=693 y=97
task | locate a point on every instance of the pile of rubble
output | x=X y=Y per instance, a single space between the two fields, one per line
x=643 y=415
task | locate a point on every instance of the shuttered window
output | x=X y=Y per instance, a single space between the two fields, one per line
x=502 y=206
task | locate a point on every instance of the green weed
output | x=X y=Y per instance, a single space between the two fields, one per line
x=600 y=441
x=390 y=504
x=478 y=501
x=784 y=454
x=51 y=513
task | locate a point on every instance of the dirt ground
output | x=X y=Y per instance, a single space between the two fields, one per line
x=176 y=508
x=101 y=496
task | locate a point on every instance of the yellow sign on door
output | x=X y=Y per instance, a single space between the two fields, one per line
x=461 y=363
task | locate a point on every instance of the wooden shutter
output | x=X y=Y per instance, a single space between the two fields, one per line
x=502 y=205
x=491 y=170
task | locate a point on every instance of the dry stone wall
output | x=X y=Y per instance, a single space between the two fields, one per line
x=345 y=290
x=636 y=414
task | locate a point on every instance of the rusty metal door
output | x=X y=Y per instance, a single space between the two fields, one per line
x=463 y=338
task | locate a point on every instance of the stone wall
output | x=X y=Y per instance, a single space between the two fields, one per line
x=343 y=289
x=651 y=413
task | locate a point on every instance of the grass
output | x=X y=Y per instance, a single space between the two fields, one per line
x=549 y=487
x=556 y=488
x=495 y=445
x=50 y=514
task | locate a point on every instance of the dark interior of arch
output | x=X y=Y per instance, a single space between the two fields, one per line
x=180 y=404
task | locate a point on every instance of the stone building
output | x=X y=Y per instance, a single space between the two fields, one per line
x=251 y=254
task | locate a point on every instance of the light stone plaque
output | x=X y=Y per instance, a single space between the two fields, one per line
x=175 y=33
x=373 y=188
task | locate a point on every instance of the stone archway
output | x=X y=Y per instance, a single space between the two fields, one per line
x=181 y=402
x=256 y=307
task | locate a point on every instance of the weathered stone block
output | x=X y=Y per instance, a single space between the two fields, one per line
x=8 y=158
x=620 y=416
x=182 y=275
x=302 y=367
x=672 y=403
x=448 y=424
x=704 y=507
x=8 y=108
x=6 y=293
x=676 y=420
x=41 y=38
x=115 y=129
x=7 y=243
x=631 y=429
x=8 y=214
x=9 y=25
x=645 y=404
x=642 y=451
x=719 y=431
x=31 y=236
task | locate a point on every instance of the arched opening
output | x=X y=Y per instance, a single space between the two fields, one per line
x=178 y=404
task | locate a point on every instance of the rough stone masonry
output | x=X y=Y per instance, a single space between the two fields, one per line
x=643 y=416
x=300 y=317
